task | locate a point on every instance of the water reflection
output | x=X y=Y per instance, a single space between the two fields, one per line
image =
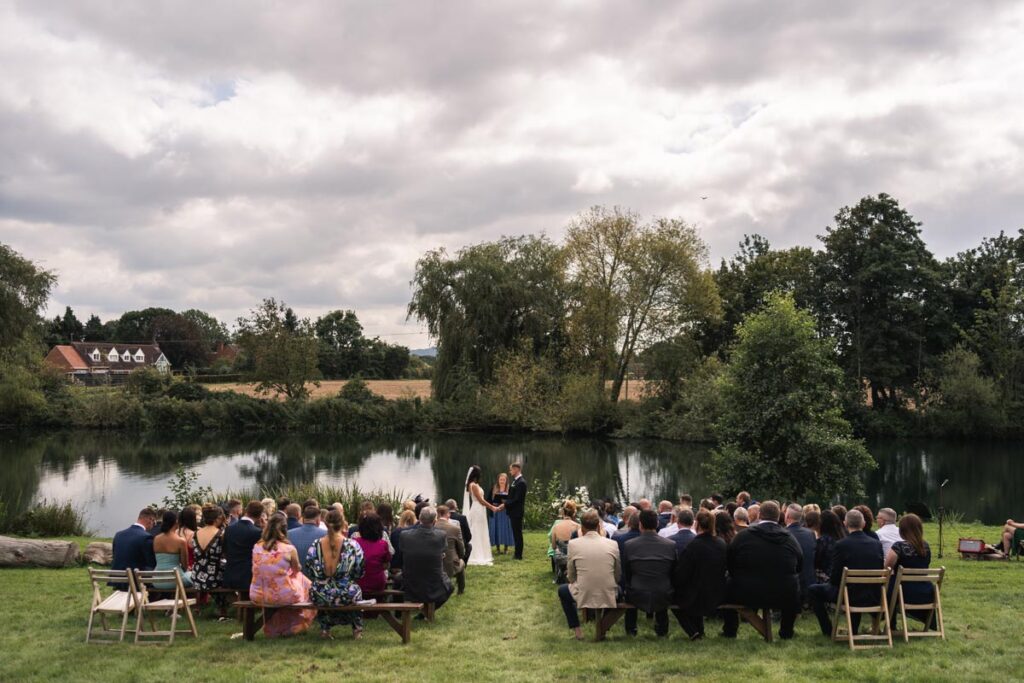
x=114 y=474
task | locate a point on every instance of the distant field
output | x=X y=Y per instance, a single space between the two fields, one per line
x=388 y=388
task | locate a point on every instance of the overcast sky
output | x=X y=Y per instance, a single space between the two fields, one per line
x=210 y=154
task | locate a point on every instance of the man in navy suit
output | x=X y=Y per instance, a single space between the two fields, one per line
x=682 y=538
x=805 y=537
x=856 y=551
x=239 y=540
x=133 y=547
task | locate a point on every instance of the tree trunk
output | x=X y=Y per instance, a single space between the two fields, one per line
x=99 y=552
x=24 y=552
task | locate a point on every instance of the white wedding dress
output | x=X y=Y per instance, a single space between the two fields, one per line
x=476 y=515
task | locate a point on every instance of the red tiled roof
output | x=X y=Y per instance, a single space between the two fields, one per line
x=66 y=356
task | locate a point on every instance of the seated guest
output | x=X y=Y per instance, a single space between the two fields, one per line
x=133 y=547
x=239 y=540
x=686 y=501
x=188 y=525
x=888 y=533
x=365 y=507
x=456 y=516
x=840 y=512
x=387 y=517
x=647 y=569
x=812 y=520
x=808 y=546
x=644 y=504
x=610 y=515
x=830 y=532
x=423 y=548
x=913 y=552
x=869 y=520
x=743 y=499
x=306 y=533
x=740 y=519
x=455 y=554
x=664 y=514
x=724 y=528
x=593 y=573
x=699 y=578
x=753 y=514
x=1010 y=531
x=811 y=507
x=277 y=580
x=233 y=509
x=563 y=529
x=294 y=513
x=207 y=551
x=731 y=507
x=764 y=569
x=406 y=520
x=334 y=566
x=684 y=520
x=608 y=527
x=171 y=551
x=376 y=553
x=856 y=551
x=630 y=527
x=672 y=528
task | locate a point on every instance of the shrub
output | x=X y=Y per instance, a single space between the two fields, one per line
x=584 y=407
x=356 y=390
x=349 y=495
x=45 y=519
x=184 y=491
x=147 y=383
x=188 y=391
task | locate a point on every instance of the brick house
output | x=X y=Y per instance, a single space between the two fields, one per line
x=105 y=362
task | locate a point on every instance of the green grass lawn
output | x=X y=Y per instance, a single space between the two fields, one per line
x=509 y=626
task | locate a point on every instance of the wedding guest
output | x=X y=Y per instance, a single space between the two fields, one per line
x=670 y=529
x=647 y=568
x=630 y=527
x=608 y=527
x=269 y=506
x=717 y=500
x=686 y=501
x=610 y=513
x=423 y=548
x=812 y=520
x=171 y=551
x=365 y=507
x=664 y=514
x=888 y=533
x=840 y=512
x=498 y=522
x=811 y=507
x=294 y=513
x=188 y=524
x=699 y=578
x=467 y=535
x=831 y=531
x=376 y=553
x=593 y=571
x=1010 y=530
x=753 y=514
x=207 y=550
x=743 y=499
x=277 y=580
x=308 y=532
x=455 y=555
x=869 y=521
x=643 y=504
x=724 y=528
x=764 y=569
x=731 y=508
x=233 y=508
x=856 y=551
x=912 y=552
x=334 y=567
x=682 y=538
x=133 y=547
x=239 y=540
x=740 y=519
x=387 y=517
x=563 y=529
x=808 y=546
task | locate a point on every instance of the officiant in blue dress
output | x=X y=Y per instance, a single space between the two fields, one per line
x=498 y=523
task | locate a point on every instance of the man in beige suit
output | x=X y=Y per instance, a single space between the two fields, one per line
x=593 y=571
x=454 y=556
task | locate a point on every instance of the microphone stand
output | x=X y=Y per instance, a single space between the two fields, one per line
x=942 y=514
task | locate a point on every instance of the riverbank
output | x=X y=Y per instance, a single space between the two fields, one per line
x=509 y=627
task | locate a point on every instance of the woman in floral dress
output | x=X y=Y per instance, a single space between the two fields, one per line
x=278 y=581
x=333 y=565
x=207 y=551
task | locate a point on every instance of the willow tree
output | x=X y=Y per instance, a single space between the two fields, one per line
x=633 y=284
x=488 y=299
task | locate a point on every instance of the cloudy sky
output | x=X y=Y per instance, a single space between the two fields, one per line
x=209 y=154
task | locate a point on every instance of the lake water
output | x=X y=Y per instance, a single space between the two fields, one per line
x=113 y=475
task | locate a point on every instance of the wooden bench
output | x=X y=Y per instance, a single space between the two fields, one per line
x=403 y=628
x=608 y=618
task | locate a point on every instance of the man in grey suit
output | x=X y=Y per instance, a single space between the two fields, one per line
x=423 y=550
x=455 y=555
x=647 y=569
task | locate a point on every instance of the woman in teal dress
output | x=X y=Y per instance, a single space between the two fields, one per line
x=171 y=551
x=333 y=564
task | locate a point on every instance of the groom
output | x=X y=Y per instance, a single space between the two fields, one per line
x=515 y=506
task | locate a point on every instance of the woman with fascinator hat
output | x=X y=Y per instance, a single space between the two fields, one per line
x=475 y=507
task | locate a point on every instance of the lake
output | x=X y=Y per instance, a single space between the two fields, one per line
x=113 y=475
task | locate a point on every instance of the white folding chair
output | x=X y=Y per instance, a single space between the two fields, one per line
x=147 y=582
x=933 y=608
x=117 y=602
x=878 y=612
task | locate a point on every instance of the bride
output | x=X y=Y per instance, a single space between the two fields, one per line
x=476 y=506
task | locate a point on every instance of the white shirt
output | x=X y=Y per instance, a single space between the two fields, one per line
x=140 y=526
x=670 y=530
x=610 y=529
x=888 y=534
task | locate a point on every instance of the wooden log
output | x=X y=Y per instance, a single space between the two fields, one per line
x=99 y=552
x=25 y=552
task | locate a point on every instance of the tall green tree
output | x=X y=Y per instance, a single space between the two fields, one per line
x=65 y=328
x=782 y=431
x=24 y=289
x=94 y=329
x=282 y=347
x=487 y=299
x=633 y=284
x=881 y=298
x=211 y=331
x=342 y=344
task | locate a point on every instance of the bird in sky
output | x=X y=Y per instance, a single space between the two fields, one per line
x=704 y=196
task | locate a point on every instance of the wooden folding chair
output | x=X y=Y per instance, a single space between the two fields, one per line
x=934 y=608
x=154 y=581
x=118 y=602
x=863 y=577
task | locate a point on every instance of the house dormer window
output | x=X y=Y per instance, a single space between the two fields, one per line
x=112 y=356
x=140 y=357
x=126 y=356
x=95 y=355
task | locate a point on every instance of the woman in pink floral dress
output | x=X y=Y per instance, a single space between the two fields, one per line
x=277 y=580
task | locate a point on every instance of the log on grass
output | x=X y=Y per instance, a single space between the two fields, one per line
x=26 y=552
x=99 y=552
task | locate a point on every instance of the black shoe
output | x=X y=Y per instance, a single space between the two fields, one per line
x=723 y=634
x=788 y=636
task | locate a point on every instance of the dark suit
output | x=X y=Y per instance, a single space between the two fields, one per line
x=239 y=541
x=682 y=540
x=423 y=577
x=808 y=542
x=765 y=563
x=515 y=507
x=856 y=551
x=622 y=536
x=699 y=582
x=467 y=536
x=663 y=519
x=133 y=549
x=647 y=576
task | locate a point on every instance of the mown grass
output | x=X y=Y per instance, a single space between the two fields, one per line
x=509 y=627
